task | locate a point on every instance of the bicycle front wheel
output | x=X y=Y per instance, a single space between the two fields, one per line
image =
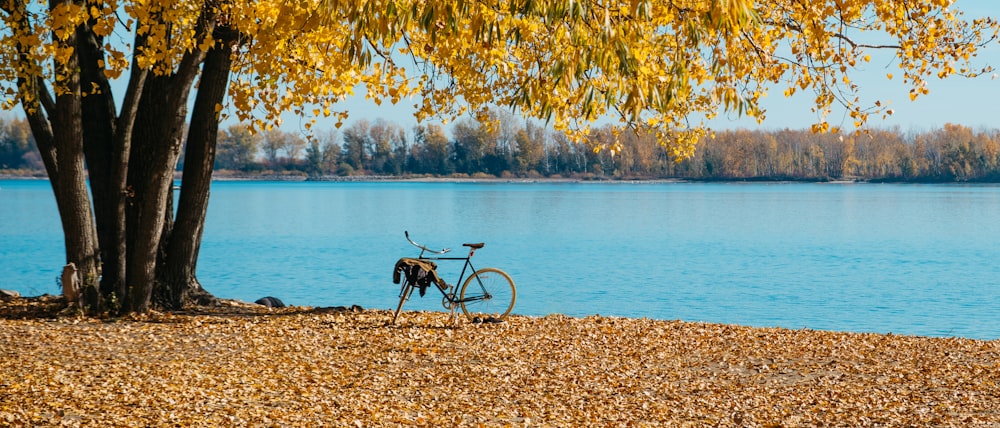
x=488 y=294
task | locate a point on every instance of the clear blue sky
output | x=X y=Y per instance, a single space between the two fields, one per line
x=970 y=102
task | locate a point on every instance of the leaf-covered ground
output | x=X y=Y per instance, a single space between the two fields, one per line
x=308 y=367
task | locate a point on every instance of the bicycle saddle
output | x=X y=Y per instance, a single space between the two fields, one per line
x=475 y=246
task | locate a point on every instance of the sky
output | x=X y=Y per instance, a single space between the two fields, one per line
x=956 y=100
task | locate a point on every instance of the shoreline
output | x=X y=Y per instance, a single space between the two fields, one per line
x=525 y=180
x=52 y=307
x=528 y=180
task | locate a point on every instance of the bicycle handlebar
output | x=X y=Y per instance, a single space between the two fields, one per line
x=423 y=248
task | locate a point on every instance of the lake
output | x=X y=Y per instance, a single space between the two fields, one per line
x=899 y=258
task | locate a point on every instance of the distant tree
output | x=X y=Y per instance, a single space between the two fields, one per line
x=17 y=147
x=834 y=154
x=314 y=159
x=357 y=140
x=331 y=150
x=236 y=148
x=472 y=145
x=294 y=147
x=384 y=139
x=401 y=156
x=431 y=152
x=272 y=143
x=965 y=155
x=559 y=153
x=530 y=143
x=603 y=162
x=500 y=132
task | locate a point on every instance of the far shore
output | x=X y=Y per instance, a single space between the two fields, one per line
x=480 y=178
x=219 y=177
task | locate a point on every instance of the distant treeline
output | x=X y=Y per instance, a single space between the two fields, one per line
x=954 y=153
x=18 y=153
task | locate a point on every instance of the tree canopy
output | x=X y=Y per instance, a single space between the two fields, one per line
x=664 y=65
x=660 y=67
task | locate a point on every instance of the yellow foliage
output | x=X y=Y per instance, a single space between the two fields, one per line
x=666 y=66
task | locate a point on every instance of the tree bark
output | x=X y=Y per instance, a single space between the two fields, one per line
x=115 y=290
x=70 y=181
x=180 y=285
x=156 y=148
x=156 y=140
x=103 y=163
x=60 y=142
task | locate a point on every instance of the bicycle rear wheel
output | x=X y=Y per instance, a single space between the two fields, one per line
x=488 y=294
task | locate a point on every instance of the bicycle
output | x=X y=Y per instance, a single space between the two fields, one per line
x=487 y=295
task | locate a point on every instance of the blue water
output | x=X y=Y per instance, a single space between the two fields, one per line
x=906 y=259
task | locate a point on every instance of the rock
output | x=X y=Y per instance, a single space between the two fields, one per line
x=271 y=302
x=334 y=309
x=9 y=294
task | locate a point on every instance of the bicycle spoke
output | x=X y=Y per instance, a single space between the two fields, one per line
x=488 y=294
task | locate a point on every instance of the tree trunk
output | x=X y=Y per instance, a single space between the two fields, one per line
x=180 y=284
x=156 y=148
x=114 y=290
x=156 y=140
x=103 y=165
x=55 y=123
x=70 y=181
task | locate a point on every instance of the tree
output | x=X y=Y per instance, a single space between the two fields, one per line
x=530 y=148
x=236 y=148
x=559 y=154
x=58 y=68
x=331 y=150
x=384 y=139
x=501 y=131
x=16 y=147
x=356 y=143
x=471 y=146
x=661 y=65
x=272 y=143
x=293 y=148
x=432 y=154
x=314 y=158
x=655 y=65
